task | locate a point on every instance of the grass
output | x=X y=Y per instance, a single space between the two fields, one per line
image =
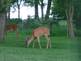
x=63 y=49
x=34 y=54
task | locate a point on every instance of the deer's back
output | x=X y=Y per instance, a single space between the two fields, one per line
x=40 y=31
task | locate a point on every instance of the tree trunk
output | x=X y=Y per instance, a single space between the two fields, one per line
x=70 y=28
x=51 y=28
x=2 y=26
x=48 y=10
x=18 y=5
x=8 y=16
x=18 y=11
x=47 y=16
x=36 y=10
x=42 y=6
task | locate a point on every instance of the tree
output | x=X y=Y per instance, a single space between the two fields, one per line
x=8 y=8
x=18 y=5
x=77 y=17
x=47 y=15
x=36 y=9
x=35 y=4
x=67 y=6
x=3 y=10
x=77 y=14
x=48 y=10
x=42 y=7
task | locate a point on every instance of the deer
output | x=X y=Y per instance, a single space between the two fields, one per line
x=12 y=27
x=36 y=34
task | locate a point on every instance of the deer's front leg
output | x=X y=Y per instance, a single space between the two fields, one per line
x=48 y=42
x=38 y=42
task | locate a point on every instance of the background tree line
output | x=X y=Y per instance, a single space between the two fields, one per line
x=68 y=9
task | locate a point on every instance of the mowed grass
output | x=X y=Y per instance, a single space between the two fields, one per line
x=63 y=49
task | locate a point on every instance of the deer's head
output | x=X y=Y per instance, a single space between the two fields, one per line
x=28 y=41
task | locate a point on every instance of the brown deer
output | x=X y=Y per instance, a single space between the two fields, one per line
x=41 y=31
x=12 y=27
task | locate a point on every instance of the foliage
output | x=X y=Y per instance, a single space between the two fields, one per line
x=14 y=21
x=4 y=5
x=68 y=6
x=78 y=32
x=77 y=23
x=31 y=23
x=30 y=2
x=62 y=5
x=77 y=15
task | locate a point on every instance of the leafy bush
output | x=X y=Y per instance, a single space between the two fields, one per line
x=14 y=21
x=31 y=23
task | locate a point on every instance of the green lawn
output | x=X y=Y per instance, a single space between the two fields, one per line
x=63 y=49
x=34 y=54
